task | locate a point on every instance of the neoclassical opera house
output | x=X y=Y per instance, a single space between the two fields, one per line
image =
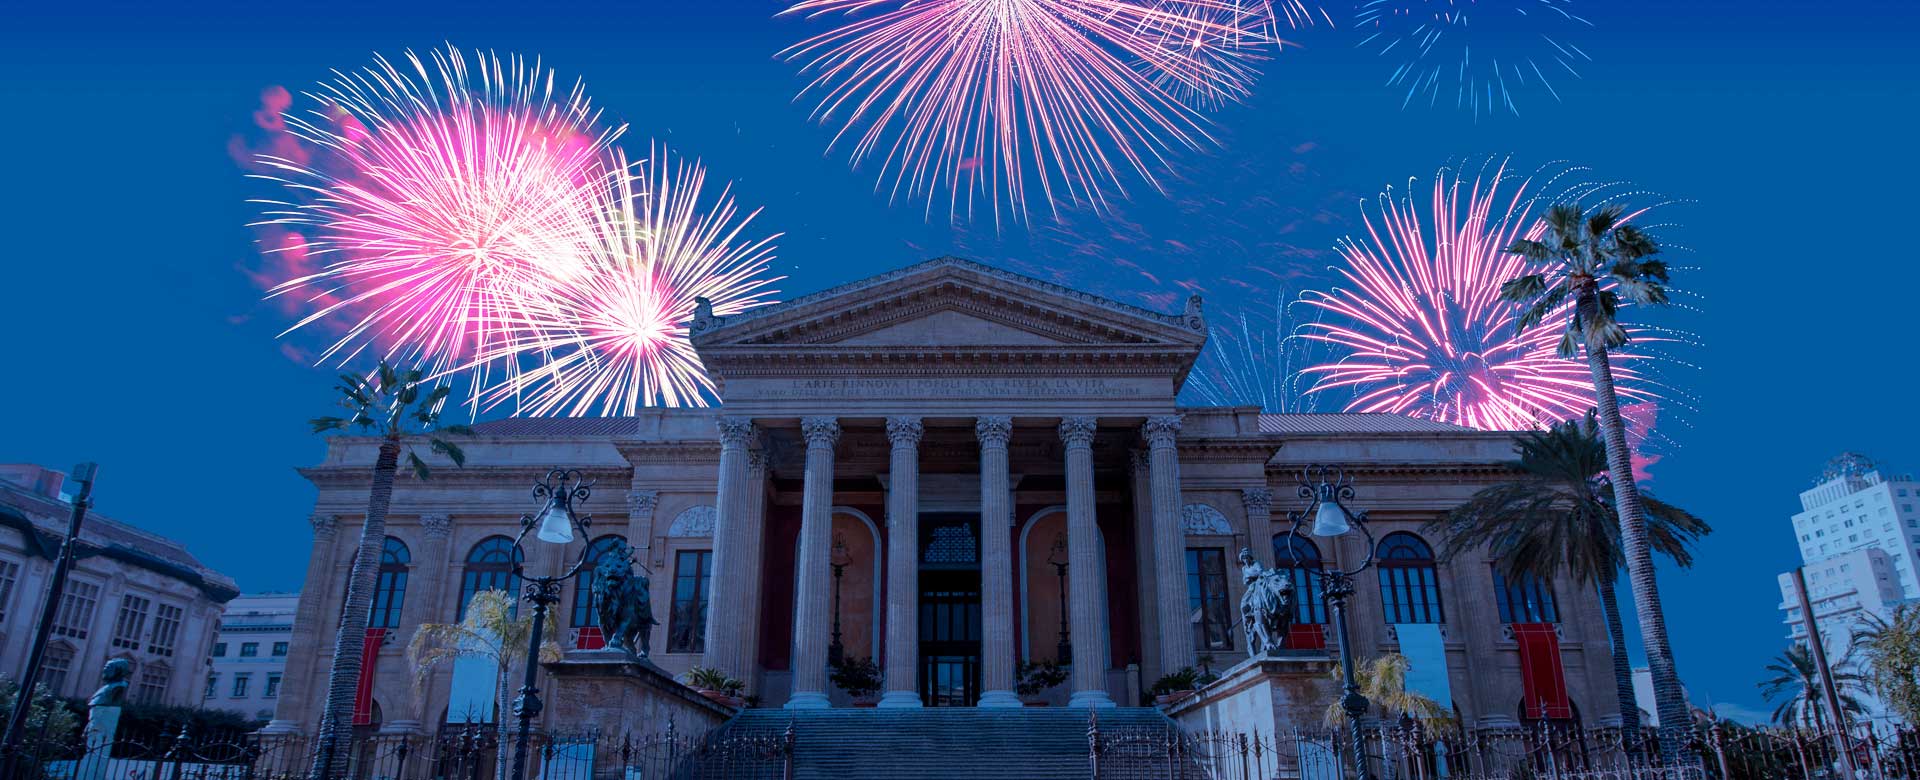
x=952 y=469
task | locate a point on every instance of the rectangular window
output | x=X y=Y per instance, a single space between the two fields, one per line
x=152 y=685
x=687 y=624
x=54 y=670
x=77 y=608
x=273 y=686
x=9 y=574
x=279 y=649
x=219 y=649
x=1207 y=598
x=249 y=649
x=132 y=621
x=166 y=629
x=240 y=685
x=1524 y=599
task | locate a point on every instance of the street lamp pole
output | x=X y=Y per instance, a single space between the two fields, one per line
x=556 y=524
x=838 y=559
x=1057 y=556
x=56 y=588
x=1327 y=489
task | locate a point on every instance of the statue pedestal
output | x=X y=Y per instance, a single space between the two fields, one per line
x=103 y=725
x=1267 y=697
x=609 y=692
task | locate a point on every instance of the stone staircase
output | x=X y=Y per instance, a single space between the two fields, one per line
x=1035 y=743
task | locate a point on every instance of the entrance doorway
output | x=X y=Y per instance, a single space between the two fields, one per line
x=949 y=610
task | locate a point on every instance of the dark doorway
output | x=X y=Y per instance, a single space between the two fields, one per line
x=949 y=610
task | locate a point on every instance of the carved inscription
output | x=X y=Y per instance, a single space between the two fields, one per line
x=956 y=387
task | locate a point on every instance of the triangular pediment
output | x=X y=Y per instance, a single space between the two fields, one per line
x=950 y=303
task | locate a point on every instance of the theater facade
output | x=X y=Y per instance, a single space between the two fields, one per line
x=953 y=470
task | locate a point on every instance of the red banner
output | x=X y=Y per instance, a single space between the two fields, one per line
x=1543 y=677
x=1306 y=636
x=589 y=638
x=363 y=694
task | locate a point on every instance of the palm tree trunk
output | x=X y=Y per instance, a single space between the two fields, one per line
x=1669 y=700
x=1622 y=669
x=343 y=679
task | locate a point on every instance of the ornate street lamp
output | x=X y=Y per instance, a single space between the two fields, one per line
x=555 y=524
x=1058 y=557
x=838 y=558
x=1327 y=489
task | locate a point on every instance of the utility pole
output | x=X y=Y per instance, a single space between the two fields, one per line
x=1819 y=652
x=56 y=587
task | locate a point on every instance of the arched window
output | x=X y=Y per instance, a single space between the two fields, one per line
x=1300 y=559
x=1409 y=582
x=489 y=567
x=584 y=613
x=390 y=591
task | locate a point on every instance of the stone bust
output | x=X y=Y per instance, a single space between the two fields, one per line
x=113 y=684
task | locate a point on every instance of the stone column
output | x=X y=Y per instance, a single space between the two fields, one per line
x=996 y=564
x=1143 y=566
x=754 y=544
x=725 y=628
x=1083 y=569
x=423 y=605
x=640 y=508
x=903 y=565
x=310 y=630
x=1258 y=501
x=812 y=602
x=1169 y=543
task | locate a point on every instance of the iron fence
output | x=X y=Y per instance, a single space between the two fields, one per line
x=456 y=753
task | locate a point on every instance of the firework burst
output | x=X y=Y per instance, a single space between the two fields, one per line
x=613 y=336
x=444 y=200
x=1422 y=331
x=1478 y=52
x=988 y=100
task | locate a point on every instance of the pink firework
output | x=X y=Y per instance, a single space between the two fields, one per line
x=1422 y=331
x=445 y=198
x=965 y=100
x=612 y=337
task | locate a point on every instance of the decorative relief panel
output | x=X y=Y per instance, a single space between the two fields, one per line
x=694 y=521
x=1204 y=520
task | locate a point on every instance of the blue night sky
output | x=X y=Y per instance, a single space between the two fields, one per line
x=136 y=338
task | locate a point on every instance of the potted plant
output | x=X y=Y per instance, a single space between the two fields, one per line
x=1180 y=685
x=1036 y=678
x=716 y=686
x=860 y=678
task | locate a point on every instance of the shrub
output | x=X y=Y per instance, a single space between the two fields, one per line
x=857 y=676
x=1037 y=677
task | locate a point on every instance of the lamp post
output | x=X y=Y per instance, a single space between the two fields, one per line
x=838 y=557
x=1327 y=489
x=556 y=524
x=1057 y=556
x=56 y=587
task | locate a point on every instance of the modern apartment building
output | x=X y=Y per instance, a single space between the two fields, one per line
x=250 y=654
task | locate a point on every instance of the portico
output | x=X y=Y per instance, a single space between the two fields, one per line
x=945 y=356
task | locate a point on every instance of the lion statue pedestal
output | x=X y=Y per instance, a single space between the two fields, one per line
x=1273 y=694
x=617 y=694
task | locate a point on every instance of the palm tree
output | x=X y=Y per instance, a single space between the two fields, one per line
x=1557 y=515
x=491 y=630
x=1892 y=648
x=1383 y=680
x=394 y=406
x=1593 y=259
x=1796 y=682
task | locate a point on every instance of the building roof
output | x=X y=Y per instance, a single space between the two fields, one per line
x=1353 y=422
x=559 y=426
x=41 y=522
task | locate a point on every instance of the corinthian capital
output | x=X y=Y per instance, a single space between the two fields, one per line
x=641 y=503
x=1161 y=430
x=734 y=431
x=904 y=431
x=822 y=432
x=1258 y=501
x=325 y=527
x=1077 y=431
x=436 y=526
x=993 y=431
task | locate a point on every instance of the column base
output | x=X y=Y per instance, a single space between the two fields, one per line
x=1090 y=699
x=899 y=700
x=280 y=726
x=808 y=700
x=998 y=700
